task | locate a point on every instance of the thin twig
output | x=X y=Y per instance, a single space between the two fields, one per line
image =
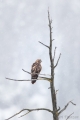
x=43 y=44
x=28 y=72
x=73 y=103
x=58 y=109
x=49 y=18
x=57 y=91
x=29 y=110
x=57 y=61
x=49 y=88
x=24 y=114
x=53 y=39
x=35 y=73
x=69 y=116
x=66 y=107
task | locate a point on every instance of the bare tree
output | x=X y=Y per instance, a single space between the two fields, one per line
x=55 y=110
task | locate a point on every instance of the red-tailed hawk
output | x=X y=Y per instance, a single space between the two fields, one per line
x=35 y=70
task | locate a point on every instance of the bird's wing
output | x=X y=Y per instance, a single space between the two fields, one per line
x=39 y=67
x=36 y=68
x=33 y=69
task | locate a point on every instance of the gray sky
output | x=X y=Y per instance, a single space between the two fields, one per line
x=22 y=24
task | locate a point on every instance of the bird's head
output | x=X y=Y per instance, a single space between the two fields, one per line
x=38 y=61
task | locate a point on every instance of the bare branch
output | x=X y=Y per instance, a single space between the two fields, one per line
x=57 y=91
x=35 y=110
x=28 y=72
x=45 y=78
x=57 y=61
x=53 y=39
x=73 y=103
x=69 y=116
x=49 y=18
x=40 y=78
x=49 y=88
x=66 y=107
x=43 y=44
x=36 y=73
x=58 y=109
x=29 y=110
x=16 y=114
x=24 y=114
x=20 y=80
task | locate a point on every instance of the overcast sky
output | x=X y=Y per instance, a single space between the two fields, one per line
x=22 y=24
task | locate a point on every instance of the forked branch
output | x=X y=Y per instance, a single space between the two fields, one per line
x=66 y=107
x=57 y=61
x=28 y=111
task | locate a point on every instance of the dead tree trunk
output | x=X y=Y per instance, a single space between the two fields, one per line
x=53 y=94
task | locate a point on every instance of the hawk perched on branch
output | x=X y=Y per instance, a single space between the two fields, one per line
x=35 y=70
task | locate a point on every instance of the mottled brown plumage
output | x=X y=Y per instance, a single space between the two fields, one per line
x=35 y=70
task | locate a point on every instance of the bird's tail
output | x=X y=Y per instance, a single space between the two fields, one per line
x=33 y=81
x=34 y=76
